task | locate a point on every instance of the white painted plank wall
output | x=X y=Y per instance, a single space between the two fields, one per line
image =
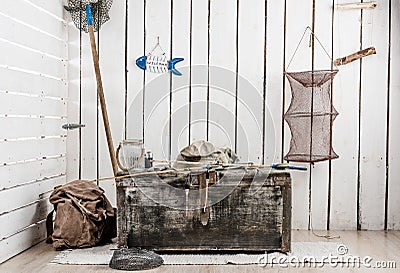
x=394 y=119
x=222 y=80
x=250 y=87
x=135 y=77
x=180 y=85
x=89 y=112
x=33 y=107
x=215 y=44
x=74 y=104
x=345 y=128
x=301 y=61
x=374 y=81
x=157 y=102
x=199 y=60
x=320 y=172
x=275 y=51
x=112 y=50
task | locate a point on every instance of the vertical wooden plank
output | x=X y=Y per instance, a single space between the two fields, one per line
x=156 y=126
x=393 y=217
x=171 y=44
x=250 y=80
x=328 y=217
x=135 y=74
x=89 y=111
x=73 y=141
x=302 y=11
x=126 y=60
x=222 y=85
x=345 y=133
x=388 y=102
x=373 y=118
x=180 y=84
x=275 y=50
x=112 y=65
x=199 y=57
x=320 y=171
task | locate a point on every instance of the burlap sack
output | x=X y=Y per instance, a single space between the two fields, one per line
x=83 y=215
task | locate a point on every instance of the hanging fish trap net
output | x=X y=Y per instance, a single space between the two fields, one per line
x=310 y=116
x=100 y=9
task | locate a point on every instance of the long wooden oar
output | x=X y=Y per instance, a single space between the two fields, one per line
x=100 y=91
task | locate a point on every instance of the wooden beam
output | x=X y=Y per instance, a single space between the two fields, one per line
x=366 y=5
x=355 y=56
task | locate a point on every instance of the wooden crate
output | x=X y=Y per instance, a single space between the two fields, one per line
x=248 y=211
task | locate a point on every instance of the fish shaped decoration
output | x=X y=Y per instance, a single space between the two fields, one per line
x=158 y=64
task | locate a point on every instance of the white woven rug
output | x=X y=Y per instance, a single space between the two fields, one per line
x=300 y=250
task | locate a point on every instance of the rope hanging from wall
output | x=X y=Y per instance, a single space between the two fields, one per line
x=311 y=113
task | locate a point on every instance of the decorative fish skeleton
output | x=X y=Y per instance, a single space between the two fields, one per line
x=158 y=64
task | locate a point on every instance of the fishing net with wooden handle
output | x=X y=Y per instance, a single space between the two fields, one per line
x=100 y=9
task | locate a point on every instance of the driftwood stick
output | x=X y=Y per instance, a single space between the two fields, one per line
x=366 y=5
x=355 y=56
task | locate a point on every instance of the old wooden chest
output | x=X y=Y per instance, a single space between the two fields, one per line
x=235 y=210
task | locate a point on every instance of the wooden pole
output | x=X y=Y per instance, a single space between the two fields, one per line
x=100 y=93
x=355 y=56
x=365 y=5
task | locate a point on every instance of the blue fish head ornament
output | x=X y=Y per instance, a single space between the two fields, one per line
x=141 y=62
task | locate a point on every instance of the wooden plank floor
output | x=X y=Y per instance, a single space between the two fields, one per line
x=380 y=245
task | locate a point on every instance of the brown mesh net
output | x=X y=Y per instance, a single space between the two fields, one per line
x=310 y=116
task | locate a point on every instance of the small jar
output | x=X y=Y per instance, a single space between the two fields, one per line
x=131 y=155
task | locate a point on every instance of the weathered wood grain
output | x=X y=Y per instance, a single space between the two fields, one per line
x=152 y=212
x=355 y=56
